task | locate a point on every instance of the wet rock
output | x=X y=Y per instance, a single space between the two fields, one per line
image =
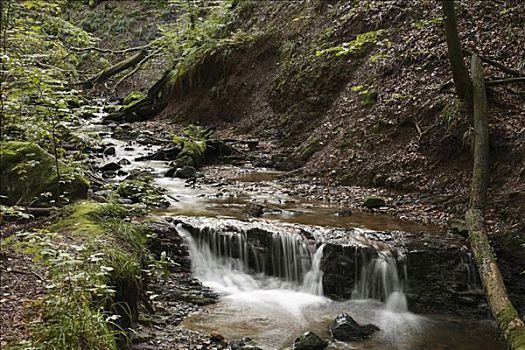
x=129 y=148
x=345 y=328
x=171 y=172
x=309 y=341
x=186 y=172
x=110 y=151
x=122 y=173
x=170 y=153
x=216 y=336
x=373 y=202
x=123 y=161
x=343 y=213
x=110 y=167
x=109 y=174
x=253 y=209
x=458 y=226
x=244 y=344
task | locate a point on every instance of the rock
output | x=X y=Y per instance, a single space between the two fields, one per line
x=216 y=336
x=28 y=170
x=309 y=341
x=345 y=212
x=253 y=209
x=171 y=172
x=122 y=173
x=186 y=172
x=169 y=153
x=110 y=151
x=110 y=167
x=109 y=174
x=123 y=161
x=373 y=202
x=345 y=328
x=458 y=226
x=244 y=344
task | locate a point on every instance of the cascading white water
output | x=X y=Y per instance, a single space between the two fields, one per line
x=226 y=261
x=229 y=261
x=379 y=279
x=313 y=280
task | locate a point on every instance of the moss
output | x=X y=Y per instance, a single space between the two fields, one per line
x=516 y=336
x=123 y=246
x=80 y=220
x=311 y=148
x=133 y=98
x=28 y=170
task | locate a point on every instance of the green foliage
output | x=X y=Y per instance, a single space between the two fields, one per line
x=133 y=98
x=29 y=174
x=96 y=276
x=367 y=95
x=142 y=192
x=355 y=45
x=194 y=141
x=37 y=66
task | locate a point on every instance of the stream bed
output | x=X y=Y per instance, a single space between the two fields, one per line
x=273 y=292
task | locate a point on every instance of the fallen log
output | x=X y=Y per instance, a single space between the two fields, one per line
x=509 y=321
x=115 y=69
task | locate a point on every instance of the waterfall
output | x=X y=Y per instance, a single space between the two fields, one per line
x=232 y=260
x=313 y=280
x=379 y=279
x=229 y=260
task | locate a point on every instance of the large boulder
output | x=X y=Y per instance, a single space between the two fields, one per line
x=27 y=170
x=309 y=341
x=345 y=328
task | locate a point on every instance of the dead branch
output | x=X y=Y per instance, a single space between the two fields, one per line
x=497 y=65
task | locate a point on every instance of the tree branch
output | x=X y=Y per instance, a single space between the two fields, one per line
x=115 y=52
x=505 y=81
x=496 y=64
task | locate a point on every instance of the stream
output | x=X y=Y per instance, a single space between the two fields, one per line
x=271 y=283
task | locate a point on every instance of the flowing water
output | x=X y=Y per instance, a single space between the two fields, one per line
x=275 y=294
x=273 y=298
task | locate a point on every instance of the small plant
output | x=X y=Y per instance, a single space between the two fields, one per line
x=355 y=45
x=368 y=95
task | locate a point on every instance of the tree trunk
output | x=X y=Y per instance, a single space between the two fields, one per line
x=455 y=55
x=481 y=137
x=115 y=69
x=509 y=322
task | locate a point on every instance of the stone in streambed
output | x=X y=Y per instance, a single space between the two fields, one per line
x=253 y=209
x=309 y=341
x=373 y=202
x=124 y=161
x=110 y=167
x=186 y=172
x=345 y=328
x=110 y=151
x=244 y=344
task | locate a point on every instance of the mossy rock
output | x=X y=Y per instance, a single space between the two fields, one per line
x=133 y=98
x=373 y=202
x=28 y=170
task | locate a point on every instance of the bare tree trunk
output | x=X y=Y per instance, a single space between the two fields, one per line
x=115 y=69
x=508 y=319
x=481 y=137
x=455 y=55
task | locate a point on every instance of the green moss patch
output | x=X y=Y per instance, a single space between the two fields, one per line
x=28 y=171
x=96 y=259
